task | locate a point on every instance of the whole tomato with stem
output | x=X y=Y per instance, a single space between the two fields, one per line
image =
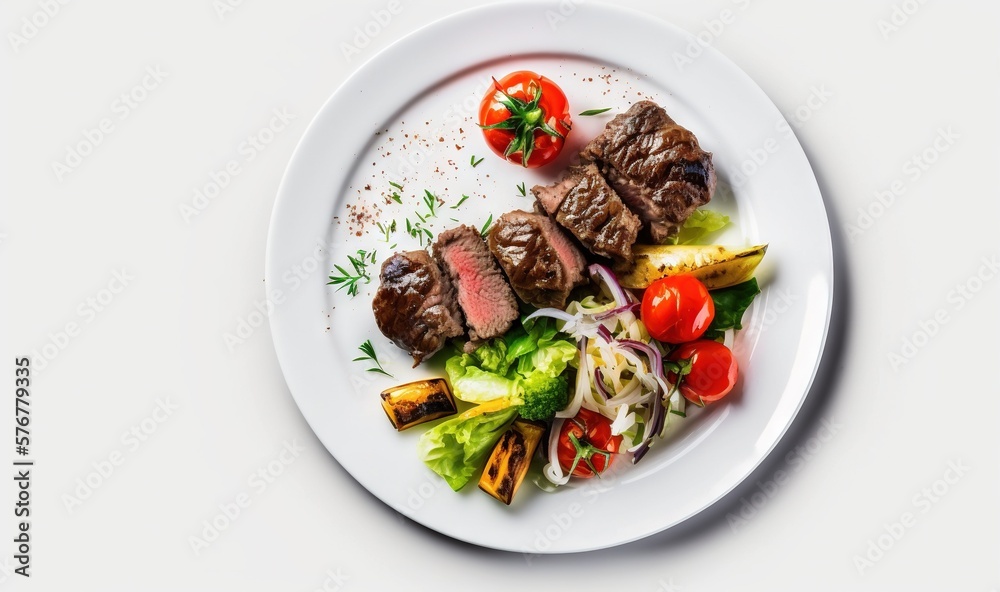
x=704 y=371
x=585 y=444
x=677 y=308
x=525 y=118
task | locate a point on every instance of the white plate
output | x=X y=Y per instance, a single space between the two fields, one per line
x=424 y=80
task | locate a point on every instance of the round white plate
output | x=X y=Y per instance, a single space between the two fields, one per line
x=407 y=116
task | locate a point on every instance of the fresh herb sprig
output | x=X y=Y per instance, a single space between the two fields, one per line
x=386 y=230
x=431 y=201
x=396 y=197
x=359 y=262
x=486 y=226
x=418 y=231
x=522 y=189
x=590 y=112
x=460 y=202
x=475 y=161
x=369 y=350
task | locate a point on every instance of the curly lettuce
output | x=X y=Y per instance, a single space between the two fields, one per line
x=496 y=369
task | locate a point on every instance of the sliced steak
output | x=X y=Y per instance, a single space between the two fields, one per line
x=415 y=304
x=542 y=263
x=655 y=165
x=483 y=293
x=584 y=204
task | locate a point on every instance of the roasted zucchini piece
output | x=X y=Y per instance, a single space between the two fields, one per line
x=414 y=403
x=716 y=266
x=510 y=459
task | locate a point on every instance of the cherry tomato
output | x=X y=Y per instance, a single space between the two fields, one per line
x=677 y=309
x=586 y=444
x=525 y=118
x=712 y=371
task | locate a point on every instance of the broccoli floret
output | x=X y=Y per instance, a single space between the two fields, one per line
x=542 y=396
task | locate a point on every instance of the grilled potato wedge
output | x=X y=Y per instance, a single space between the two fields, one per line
x=417 y=402
x=716 y=266
x=510 y=460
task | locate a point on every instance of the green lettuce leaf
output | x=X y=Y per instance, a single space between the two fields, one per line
x=496 y=374
x=697 y=226
x=471 y=383
x=493 y=356
x=456 y=449
x=496 y=368
x=550 y=360
x=730 y=304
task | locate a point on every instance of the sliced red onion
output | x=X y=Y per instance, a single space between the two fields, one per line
x=632 y=307
x=655 y=359
x=641 y=451
x=657 y=413
x=607 y=277
x=605 y=333
x=601 y=387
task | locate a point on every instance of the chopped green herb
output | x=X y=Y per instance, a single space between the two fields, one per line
x=460 y=202
x=417 y=230
x=676 y=412
x=522 y=189
x=432 y=201
x=396 y=197
x=474 y=161
x=350 y=280
x=486 y=227
x=369 y=350
x=590 y=112
x=387 y=229
x=396 y=185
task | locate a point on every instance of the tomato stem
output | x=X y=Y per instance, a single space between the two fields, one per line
x=526 y=117
x=584 y=452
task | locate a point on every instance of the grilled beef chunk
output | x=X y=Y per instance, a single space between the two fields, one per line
x=483 y=294
x=655 y=165
x=543 y=265
x=415 y=304
x=584 y=204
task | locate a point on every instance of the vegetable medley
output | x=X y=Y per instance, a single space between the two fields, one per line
x=598 y=380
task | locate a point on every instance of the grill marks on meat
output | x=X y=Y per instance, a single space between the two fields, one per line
x=483 y=294
x=543 y=265
x=643 y=170
x=584 y=204
x=655 y=165
x=415 y=304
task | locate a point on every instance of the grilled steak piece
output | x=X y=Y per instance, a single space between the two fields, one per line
x=415 y=304
x=543 y=265
x=584 y=204
x=655 y=165
x=483 y=293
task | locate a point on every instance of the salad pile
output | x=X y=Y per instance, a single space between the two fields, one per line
x=584 y=386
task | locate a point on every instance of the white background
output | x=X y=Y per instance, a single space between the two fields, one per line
x=898 y=426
